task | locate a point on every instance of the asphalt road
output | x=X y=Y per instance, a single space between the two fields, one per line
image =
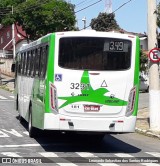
x=69 y=150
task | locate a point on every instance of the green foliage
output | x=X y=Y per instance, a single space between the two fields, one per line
x=143 y=62
x=157 y=12
x=38 y=17
x=104 y=22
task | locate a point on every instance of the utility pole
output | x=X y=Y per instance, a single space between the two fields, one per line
x=154 y=90
x=13 y=39
x=84 y=21
x=108 y=6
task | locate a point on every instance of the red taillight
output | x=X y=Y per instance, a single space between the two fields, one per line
x=131 y=101
x=53 y=97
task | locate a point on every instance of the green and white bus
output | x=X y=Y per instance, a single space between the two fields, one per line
x=83 y=81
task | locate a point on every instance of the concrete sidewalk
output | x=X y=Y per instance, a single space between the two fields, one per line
x=142 y=125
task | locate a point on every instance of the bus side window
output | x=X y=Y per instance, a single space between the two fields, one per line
x=27 y=63
x=37 y=60
x=31 y=63
x=22 y=64
x=43 y=61
x=19 y=64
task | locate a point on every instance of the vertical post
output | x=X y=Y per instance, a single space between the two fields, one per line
x=84 y=21
x=154 y=91
x=13 y=39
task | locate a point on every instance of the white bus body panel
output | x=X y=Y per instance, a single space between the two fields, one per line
x=59 y=122
x=25 y=85
x=119 y=84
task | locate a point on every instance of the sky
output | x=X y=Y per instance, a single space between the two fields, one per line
x=131 y=17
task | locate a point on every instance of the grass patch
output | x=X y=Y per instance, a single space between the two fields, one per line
x=6 y=88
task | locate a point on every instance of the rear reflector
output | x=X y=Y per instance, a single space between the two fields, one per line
x=94 y=73
x=62 y=119
x=118 y=121
x=131 y=101
x=53 y=97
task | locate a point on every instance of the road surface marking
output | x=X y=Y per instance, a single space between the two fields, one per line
x=26 y=132
x=86 y=154
x=11 y=154
x=123 y=155
x=66 y=164
x=11 y=97
x=149 y=164
x=2 y=134
x=22 y=145
x=13 y=132
x=108 y=164
x=91 y=155
x=155 y=154
x=64 y=161
x=48 y=154
x=2 y=97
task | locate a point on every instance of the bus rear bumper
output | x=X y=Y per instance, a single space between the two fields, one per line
x=68 y=123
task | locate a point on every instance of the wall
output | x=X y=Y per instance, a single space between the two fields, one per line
x=6 y=67
x=144 y=43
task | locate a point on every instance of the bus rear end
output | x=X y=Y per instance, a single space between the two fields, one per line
x=95 y=82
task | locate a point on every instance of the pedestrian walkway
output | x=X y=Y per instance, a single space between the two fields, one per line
x=142 y=125
x=77 y=158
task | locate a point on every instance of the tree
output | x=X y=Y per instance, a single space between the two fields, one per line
x=105 y=22
x=158 y=15
x=38 y=18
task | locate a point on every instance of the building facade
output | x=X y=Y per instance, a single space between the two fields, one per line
x=6 y=46
x=6 y=40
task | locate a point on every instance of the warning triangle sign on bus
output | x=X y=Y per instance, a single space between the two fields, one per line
x=104 y=84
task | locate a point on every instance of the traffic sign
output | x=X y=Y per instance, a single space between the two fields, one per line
x=154 y=55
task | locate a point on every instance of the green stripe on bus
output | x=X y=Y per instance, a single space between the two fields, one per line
x=136 y=75
x=50 y=70
x=95 y=96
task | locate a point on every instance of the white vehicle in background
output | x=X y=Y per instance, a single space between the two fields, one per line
x=144 y=84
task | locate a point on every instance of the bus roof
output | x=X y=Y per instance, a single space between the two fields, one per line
x=78 y=33
x=36 y=42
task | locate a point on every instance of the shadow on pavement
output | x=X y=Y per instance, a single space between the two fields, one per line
x=53 y=141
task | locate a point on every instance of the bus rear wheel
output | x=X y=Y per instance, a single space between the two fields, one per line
x=17 y=109
x=31 y=129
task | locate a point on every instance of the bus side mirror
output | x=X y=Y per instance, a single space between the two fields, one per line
x=13 y=67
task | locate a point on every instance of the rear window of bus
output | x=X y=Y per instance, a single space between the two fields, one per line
x=94 y=53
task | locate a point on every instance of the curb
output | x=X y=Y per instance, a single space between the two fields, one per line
x=147 y=133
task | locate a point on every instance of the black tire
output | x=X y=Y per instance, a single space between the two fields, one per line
x=17 y=109
x=147 y=90
x=17 y=103
x=20 y=118
x=31 y=129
